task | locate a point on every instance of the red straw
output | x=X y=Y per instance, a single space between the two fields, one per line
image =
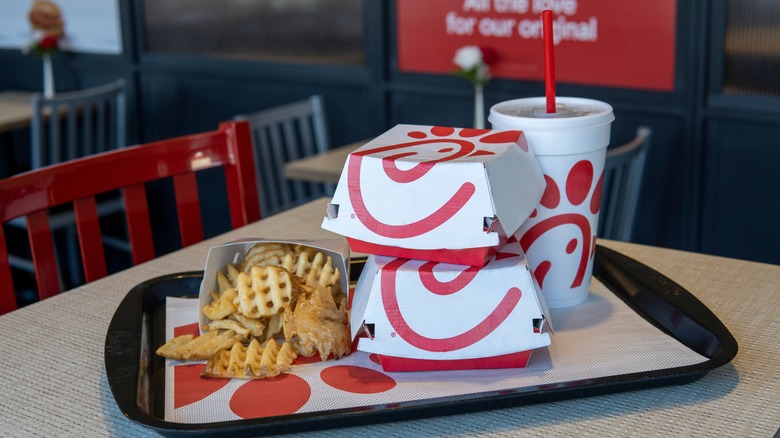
x=549 y=60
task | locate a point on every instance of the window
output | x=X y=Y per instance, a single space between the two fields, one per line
x=290 y=31
x=752 y=48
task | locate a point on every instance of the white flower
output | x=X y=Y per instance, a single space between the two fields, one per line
x=468 y=57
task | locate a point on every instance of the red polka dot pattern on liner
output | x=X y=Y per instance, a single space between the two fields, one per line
x=357 y=380
x=281 y=395
x=190 y=387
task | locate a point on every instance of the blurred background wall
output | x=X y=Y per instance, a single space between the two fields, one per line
x=712 y=184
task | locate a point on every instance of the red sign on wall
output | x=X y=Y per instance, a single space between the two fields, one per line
x=628 y=43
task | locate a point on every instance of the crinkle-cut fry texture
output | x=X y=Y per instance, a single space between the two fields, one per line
x=299 y=248
x=232 y=274
x=187 y=350
x=316 y=323
x=284 y=358
x=265 y=254
x=219 y=364
x=167 y=349
x=224 y=340
x=223 y=306
x=256 y=326
x=314 y=269
x=198 y=348
x=223 y=283
x=252 y=362
x=275 y=325
x=229 y=324
x=264 y=292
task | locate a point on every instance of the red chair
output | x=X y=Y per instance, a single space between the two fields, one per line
x=78 y=181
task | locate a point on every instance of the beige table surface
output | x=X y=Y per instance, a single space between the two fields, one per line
x=54 y=383
x=321 y=168
x=15 y=110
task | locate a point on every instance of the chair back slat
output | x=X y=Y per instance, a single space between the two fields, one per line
x=282 y=134
x=188 y=208
x=78 y=181
x=71 y=134
x=7 y=300
x=241 y=182
x=295 y=147
x=278 y=140
x=90 y=238
x=139 y=226
x=55 y=153
x=43 y=255
x=264 y=169
x=101 y=128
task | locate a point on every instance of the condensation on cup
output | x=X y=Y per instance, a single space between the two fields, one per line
x=570 y=145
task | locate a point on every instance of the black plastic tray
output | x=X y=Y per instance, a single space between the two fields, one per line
x=136 y=375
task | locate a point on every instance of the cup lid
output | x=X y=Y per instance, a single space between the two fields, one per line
x=572 y=113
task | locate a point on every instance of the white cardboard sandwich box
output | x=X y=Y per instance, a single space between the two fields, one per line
x=219 y=256
x=436 y=193
x=419 y=315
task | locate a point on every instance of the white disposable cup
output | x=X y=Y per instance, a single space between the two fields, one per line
x=570 y=146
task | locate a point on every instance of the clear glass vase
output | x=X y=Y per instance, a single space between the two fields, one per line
x=479 y=107
x=48 y=76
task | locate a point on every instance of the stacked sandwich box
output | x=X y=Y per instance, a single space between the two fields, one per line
x=445 y=285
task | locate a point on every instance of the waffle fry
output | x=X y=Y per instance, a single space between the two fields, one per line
x=223 y=283
x=228 y=324
x=168 y=349
x=265 y=292
x=222 y=306
x=232 y=274
x=252 y=362
x=265 y=254
x=256 y=326
x=314 y=268
x=200 y=347
x=275 y=326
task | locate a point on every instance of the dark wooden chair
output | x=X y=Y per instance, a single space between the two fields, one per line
x=77 y=123
x=70 y=125
x=281 y=134
x=623 y=175
x=32 y=194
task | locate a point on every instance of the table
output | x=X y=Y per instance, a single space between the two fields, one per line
x=54 y=382
x=15 y=110
x=15 y=114
x=321 y=168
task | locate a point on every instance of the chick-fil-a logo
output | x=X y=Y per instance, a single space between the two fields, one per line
x=579 y=181
x=462 y=145
x=433 y=285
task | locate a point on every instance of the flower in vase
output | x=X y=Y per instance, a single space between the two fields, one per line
x=474 y=63
x=48 y=27
x=47 y=44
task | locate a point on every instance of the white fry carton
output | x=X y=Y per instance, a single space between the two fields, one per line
x=436 y=193
x=418 y=315
x=233 y=253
